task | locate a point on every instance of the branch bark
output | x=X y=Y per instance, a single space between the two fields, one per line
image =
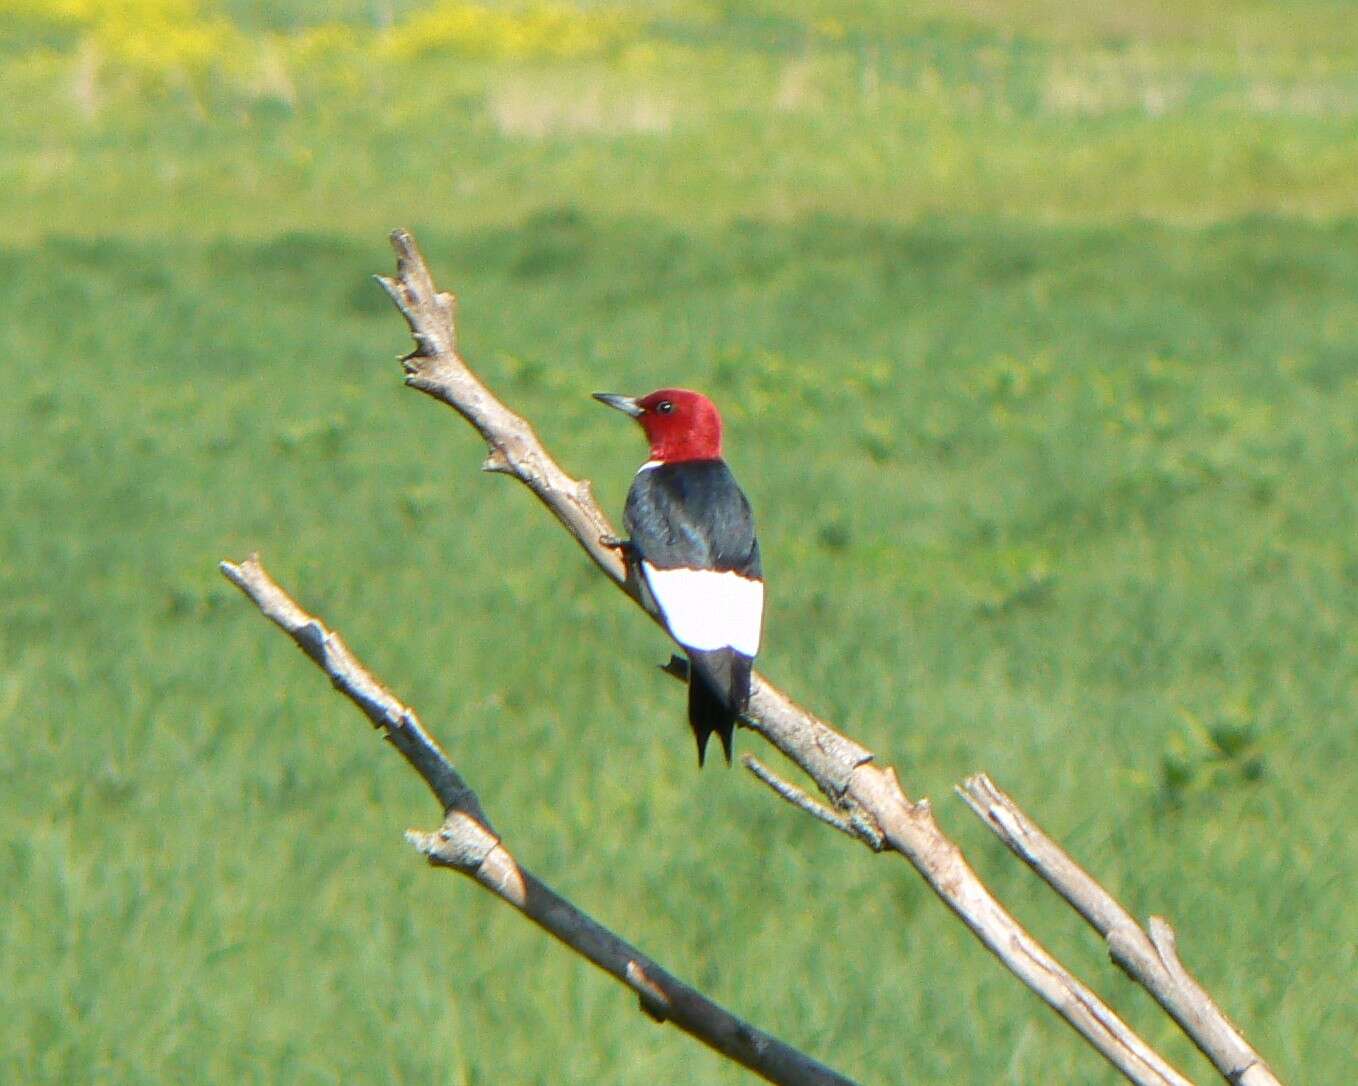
x=1148 y=957
x=842 y=769
x=467 y=843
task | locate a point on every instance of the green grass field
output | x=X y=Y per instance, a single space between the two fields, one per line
x=1036 y=330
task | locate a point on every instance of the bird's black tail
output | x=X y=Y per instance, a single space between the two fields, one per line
x=718 y=690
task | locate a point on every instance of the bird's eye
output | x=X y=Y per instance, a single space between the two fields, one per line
x=664 y=407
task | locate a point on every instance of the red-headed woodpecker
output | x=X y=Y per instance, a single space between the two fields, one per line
x=692 y=538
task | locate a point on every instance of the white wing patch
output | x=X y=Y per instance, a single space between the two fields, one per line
x=704 y=609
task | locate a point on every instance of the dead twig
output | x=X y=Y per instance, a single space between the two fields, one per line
x=467 y=843
x=1149 y=958
x=856 y=827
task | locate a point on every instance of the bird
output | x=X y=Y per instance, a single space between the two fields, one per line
x=693 y=544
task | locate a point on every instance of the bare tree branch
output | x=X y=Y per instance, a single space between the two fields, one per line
x=1148 y=958
x=840 y=767
x=467 y=843
x=856 y=827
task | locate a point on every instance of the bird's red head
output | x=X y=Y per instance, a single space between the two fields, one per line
x=679 y=424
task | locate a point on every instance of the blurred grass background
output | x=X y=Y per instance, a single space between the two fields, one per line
x=1036 y=329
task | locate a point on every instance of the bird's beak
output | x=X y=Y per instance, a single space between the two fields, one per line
x=626 y=404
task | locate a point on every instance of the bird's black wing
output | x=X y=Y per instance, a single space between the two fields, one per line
x=692 y=515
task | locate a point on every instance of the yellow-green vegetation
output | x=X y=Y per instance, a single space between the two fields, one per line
x=1036 y=328
x=219 y=119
